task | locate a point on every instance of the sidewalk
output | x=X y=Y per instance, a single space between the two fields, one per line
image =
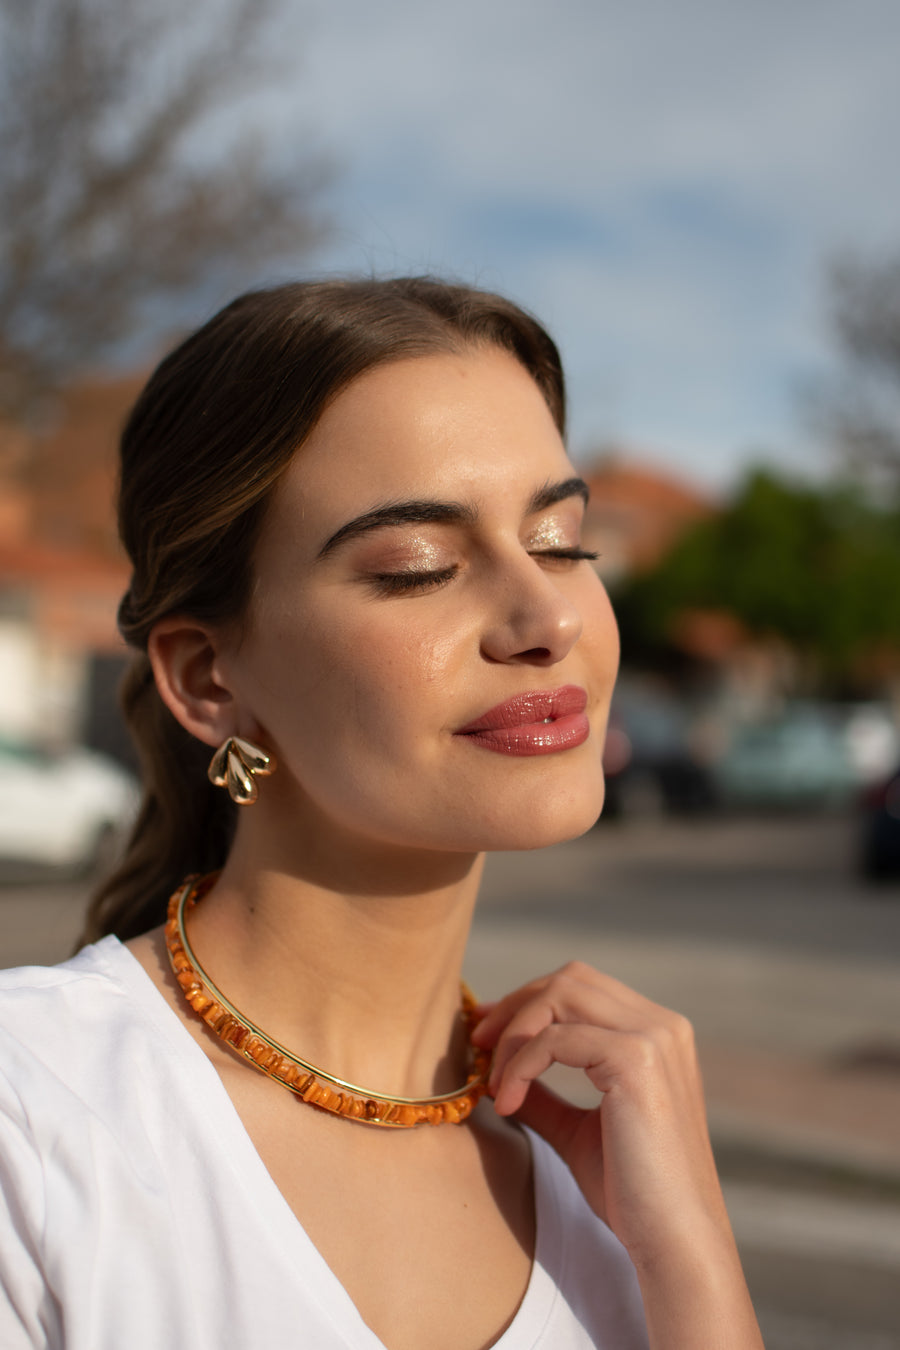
x=799 y=1054
x=834 y=1117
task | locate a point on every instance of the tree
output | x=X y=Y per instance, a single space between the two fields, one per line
x=862 y=405
x=113 y=198
x=816 y=566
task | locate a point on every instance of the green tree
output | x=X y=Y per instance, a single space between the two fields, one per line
x=817 y=566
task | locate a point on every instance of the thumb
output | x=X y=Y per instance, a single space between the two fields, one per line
x=550 y=1116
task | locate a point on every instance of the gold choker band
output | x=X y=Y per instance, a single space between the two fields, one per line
x=306 y=1081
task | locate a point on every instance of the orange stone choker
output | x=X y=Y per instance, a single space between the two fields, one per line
x=307 y=1082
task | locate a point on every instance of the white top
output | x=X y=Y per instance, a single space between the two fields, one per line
x=138 y=1213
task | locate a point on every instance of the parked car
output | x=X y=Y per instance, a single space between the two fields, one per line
x=872 y=737
x=800 y=759
x=881 y=830
x=66 y=809
x=650 y=763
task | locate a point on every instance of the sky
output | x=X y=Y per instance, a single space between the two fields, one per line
x=663 y=182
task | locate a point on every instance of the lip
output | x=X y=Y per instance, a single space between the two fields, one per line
x=539 y=722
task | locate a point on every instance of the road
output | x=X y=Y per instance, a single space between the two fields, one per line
x=788 y=883
x=762 y=933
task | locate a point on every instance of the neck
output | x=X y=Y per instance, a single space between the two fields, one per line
x=351 y=957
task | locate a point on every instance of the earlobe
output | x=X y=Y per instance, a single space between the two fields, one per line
x=186 y=667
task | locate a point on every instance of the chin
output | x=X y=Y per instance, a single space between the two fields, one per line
x=509 y=826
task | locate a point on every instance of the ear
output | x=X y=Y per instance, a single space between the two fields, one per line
x=185 y=659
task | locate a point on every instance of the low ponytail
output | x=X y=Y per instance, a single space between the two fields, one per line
x=184 y=824
x=216 y=426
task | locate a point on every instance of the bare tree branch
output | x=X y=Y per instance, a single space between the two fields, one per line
x=861 y=406
x=112 y=194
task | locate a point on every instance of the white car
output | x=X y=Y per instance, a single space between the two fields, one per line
x=67 y=810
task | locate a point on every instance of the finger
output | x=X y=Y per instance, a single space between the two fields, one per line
x=550 y=1116
x=499 y=1013
x=562 y=985
x=563 y=1002
x=598 y=1051
x=576 y=977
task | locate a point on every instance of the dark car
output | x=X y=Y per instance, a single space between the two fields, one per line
x=881 y=830
x=649 y=761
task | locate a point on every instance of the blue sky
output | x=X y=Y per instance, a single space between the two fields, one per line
x=662 y=183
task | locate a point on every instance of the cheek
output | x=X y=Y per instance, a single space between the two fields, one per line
x=357 y=675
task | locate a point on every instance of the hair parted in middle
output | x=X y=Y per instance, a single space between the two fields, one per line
x=211 y=434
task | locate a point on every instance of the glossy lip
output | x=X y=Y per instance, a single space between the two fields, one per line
x=539 y=722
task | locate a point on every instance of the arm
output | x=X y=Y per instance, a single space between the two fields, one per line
x=642 y=1156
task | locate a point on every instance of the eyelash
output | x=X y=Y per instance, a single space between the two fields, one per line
x=394 y=583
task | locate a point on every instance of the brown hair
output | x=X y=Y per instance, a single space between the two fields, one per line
x=209 y=437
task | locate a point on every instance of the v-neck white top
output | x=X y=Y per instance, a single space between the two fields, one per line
x=137 y=1212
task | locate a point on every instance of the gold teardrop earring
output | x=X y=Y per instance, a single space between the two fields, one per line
x=236 y=764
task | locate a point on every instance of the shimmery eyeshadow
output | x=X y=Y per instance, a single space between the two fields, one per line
x=420 y=556
x=413 y=555
x=551 y=534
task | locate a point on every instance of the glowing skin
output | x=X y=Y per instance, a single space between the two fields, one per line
x=367 y=647
x=421 y=608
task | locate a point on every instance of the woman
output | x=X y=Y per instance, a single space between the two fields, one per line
x=359 y=587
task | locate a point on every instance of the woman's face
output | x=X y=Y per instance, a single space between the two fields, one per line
x=414 y=573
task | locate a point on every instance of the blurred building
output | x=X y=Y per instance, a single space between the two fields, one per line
x=61 y=567
x=637 y=513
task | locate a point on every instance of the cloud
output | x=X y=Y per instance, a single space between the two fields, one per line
x=661 y=181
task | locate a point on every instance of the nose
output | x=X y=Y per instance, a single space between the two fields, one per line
x=532 y=621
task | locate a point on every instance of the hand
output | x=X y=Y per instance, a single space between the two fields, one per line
x=642 y=1155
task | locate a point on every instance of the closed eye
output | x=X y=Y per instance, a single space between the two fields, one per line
x=396 y=583
x=399 y=583
x=566 y=554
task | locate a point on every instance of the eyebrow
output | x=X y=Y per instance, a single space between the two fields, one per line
x=445 y=513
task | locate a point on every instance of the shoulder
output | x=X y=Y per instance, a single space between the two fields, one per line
x=79 y=1037
x=98 y=961
x=46 y=1012
x=51 y=1003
